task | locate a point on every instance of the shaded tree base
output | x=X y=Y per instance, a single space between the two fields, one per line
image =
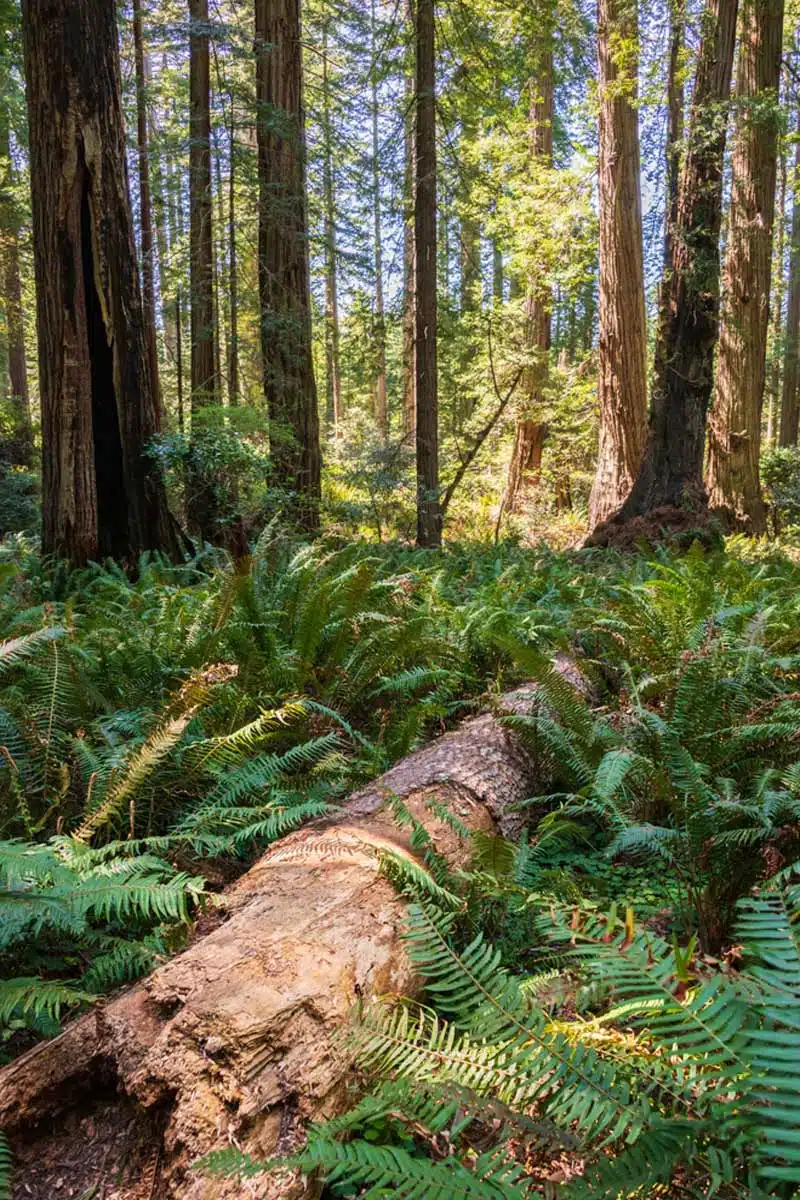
x=678 y=527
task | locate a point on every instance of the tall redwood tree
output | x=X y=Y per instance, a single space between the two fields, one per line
x=283 y=270
x=102 y=494
x=671 y=474
x=622 y=345
x=734 y=443
x=429 y=513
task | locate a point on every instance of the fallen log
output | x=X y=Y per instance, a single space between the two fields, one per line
x=233 y=1041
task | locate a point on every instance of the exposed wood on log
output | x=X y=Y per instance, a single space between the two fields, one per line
x=233 y=1041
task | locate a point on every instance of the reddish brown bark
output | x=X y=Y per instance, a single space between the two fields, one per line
x=528 y=438
x=409 y=286
x=19 y=448
x=145 y=206
x=289 y=384
x=102 y=494
x=429 y=516
x=671 y=473
x=734 y=443
x=333 y=377
x=622 y=344
x=790 y=399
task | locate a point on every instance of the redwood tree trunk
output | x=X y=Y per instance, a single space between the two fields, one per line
x=622 y=344
x=381 y=399
x=102 y=494
x=671 y=474
x=539 y=297
x=234 y=386
x=525 y=468
x=145 y=206
x=734 y=447
x=289 y=385
x=201 y=503
x=409 y=285
x=19 y=449
x=201 y=232
x=333 y=377
x=790 y=402
x=429 y=516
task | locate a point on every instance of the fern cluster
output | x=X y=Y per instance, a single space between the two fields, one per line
x=686 y=1074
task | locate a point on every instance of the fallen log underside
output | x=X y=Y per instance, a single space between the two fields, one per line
x=233 y=1041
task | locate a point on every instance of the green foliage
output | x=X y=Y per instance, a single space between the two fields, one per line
x=706 y=1085
x=780 y=474
x=75 y=922
x=6 y=1168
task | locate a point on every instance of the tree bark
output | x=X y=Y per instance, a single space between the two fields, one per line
x=525 y=468
x=289 y=385
x=675 y=102
x=201 y=231
x=790 y=401
x=671 y=473
x=528 y=436
x=429 y=517
x=333 y=377
x=201 y=502
x=220 y=316
x=776 y=304
x=381 y=400
x=235 y=1040
x=145 y=207
x=234 y=385
x=622 y=344
x=409 y=256
x=734 y=448
x=497 y=273
x=102 y=494
x=19 y=449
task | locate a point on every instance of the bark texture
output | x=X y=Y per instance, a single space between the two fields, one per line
x=409 y=286
x=18 y=450
x=429 y=516
x=526 y=456
x=101 y=494
x=234 y=1041
x=734 y=441
x=671 y=473
x=622 y=343
x=333 y=378
x=145 y=205
x=201 y=501
x=381 y=399
x=790 y=400
x=525 y=468
x=201 y=231
x=289 y=384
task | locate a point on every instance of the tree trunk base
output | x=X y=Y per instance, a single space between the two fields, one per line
x=234 y=1042
x=678 y=526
